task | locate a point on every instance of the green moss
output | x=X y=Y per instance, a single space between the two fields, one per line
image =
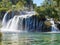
x=3 y=9
x=47 y=23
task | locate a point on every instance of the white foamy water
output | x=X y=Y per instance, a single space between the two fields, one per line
x=24 y=22
x=54 y=28
x=16 y=23
x=4 y=19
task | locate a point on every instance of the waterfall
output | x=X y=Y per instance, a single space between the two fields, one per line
x=25 y=21
x=8 y=15
x=54 y=28
x=4 y=19
x=17 y=23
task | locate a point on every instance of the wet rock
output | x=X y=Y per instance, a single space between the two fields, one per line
x=47 y=26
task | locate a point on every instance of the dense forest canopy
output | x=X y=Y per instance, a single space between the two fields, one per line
x=6 y=5
x=49 y=8
x=9 y=3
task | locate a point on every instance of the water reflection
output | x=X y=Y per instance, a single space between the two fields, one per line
x=53 y=37
x=30 y=39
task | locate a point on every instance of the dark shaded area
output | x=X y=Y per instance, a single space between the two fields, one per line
x=2 y=14
x=36 y=24
x=58 y=26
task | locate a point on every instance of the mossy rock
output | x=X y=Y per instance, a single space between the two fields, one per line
x=47 y=26
x=47 y=23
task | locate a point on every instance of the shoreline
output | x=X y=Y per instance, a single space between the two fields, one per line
x=31 y=32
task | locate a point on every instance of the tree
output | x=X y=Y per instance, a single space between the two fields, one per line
x=34 y=6
x=58 y=2
x=19 y=6
x=48 y=10
x=5 y=4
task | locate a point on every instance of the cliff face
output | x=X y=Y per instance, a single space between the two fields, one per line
x=36 y=24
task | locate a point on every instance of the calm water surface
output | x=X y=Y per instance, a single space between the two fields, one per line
x=11 y=38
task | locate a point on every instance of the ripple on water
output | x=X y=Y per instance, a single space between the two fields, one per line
x=30 y=39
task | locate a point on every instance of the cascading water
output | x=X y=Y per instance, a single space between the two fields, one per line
x=54 y=28
x=17 y=23
x=26 y=21
x=7 y=17
x=4 y=19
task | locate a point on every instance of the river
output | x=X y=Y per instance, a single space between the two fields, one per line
x=14 y=38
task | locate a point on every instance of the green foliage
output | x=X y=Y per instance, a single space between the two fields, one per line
x=58 y=2
x=19 y=5
x=3 y=9
x=34 y=6
x=40 y=9
x=47 y=10
x=6 y=5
